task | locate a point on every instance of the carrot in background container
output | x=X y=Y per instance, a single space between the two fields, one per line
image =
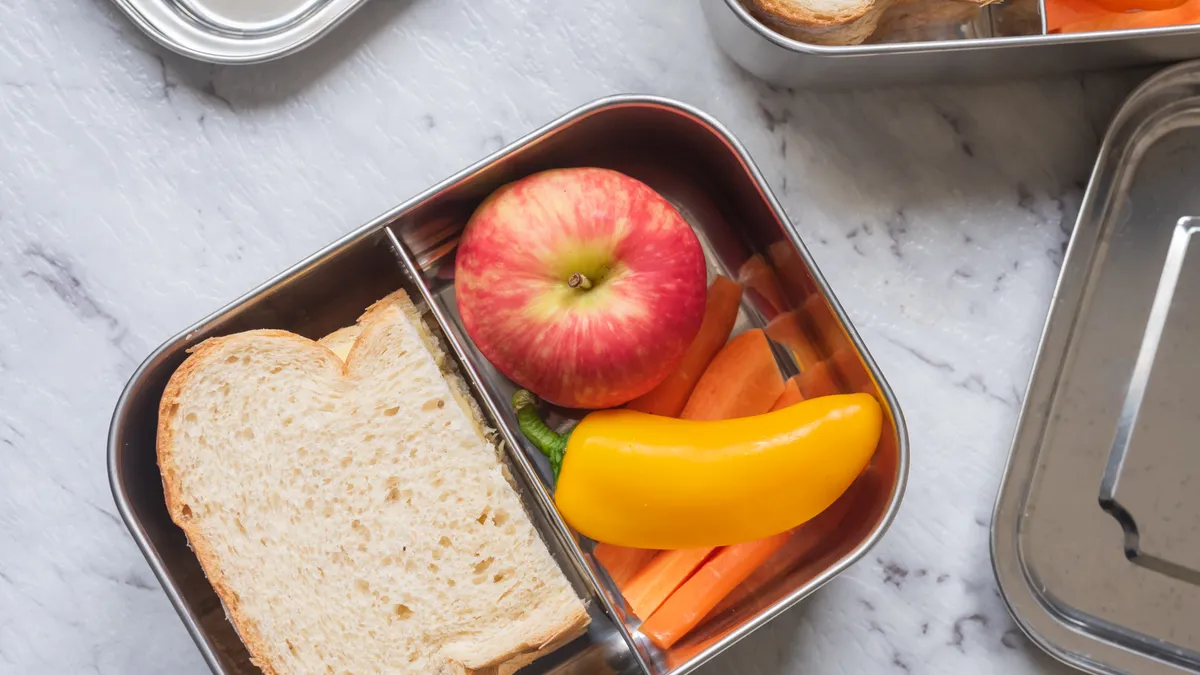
x=1061 y=13
x=1088 y=16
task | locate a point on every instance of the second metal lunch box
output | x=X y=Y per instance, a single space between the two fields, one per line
x=791 y=63
x=696 y=164
x=1095 y=539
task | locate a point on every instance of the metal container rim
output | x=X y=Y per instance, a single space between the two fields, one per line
x=256 y=53
x=381 y=221
x=847 y=51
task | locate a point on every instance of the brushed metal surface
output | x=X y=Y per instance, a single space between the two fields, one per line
x=1095 y=537
x=786 y=62
x=705 y=172
x=237 y=31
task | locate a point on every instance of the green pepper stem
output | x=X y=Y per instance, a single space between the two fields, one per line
x=548 y=441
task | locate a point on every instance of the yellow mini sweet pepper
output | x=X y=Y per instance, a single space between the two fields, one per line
x=639 y=480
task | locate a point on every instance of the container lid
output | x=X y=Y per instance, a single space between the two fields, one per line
x=1096 y=535
x=236 y=31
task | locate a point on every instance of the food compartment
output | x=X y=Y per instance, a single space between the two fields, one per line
x=319 y=296
x=927 y=21
x=1019 y=45
x=697 y=166
x=700 y=170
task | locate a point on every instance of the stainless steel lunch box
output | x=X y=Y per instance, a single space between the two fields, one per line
x=689 y=158
x=1094 y=538
x=232 y=31
x=787 y=62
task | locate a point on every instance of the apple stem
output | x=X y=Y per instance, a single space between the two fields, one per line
x=578 y=280
x=548 y=441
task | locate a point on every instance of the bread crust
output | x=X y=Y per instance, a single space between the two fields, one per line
x=261 y=654
x=853 y=26
x=177 y=506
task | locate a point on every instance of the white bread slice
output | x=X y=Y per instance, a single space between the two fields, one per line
x=821 y=22
x=351 y=516
x=921 y=20
x=340 y=341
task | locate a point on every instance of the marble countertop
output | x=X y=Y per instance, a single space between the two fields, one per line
x=139 y=191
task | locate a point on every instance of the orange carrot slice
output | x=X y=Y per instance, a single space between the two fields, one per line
x=1138 y=5
x=1183 y=15
x=788 y=329
x=757 y=275
x=657 y=580
x=818 y=381
x=707 y=587
x=791 y=395
x=805 y=540
x=623 y=563
x=1081 y=17
x=1061 y=13
x=720 y=313
x=742 y=380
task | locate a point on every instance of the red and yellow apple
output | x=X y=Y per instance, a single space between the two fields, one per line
x=583 y=285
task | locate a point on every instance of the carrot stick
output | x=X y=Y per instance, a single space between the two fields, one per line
x=657 y=580
x=1060 y=13
x=758 y=276
x=712 y=582
x=622 y=562
x=742 y=380
x=817 y=381
x=720 y=313
x=1076 y=16
x=788 y=329
x=1187 y=13
x=791 y=395
x=805 y=539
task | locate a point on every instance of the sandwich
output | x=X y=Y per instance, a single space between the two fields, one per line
x=852 y=22
x=351 y=509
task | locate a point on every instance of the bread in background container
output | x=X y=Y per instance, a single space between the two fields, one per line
x=852 y=22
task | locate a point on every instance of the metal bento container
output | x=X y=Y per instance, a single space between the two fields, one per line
x=1095 y=537
x=977 y=49
x=696 y=164
x=232 y=31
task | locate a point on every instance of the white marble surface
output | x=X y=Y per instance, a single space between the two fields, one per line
x=139 y=191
